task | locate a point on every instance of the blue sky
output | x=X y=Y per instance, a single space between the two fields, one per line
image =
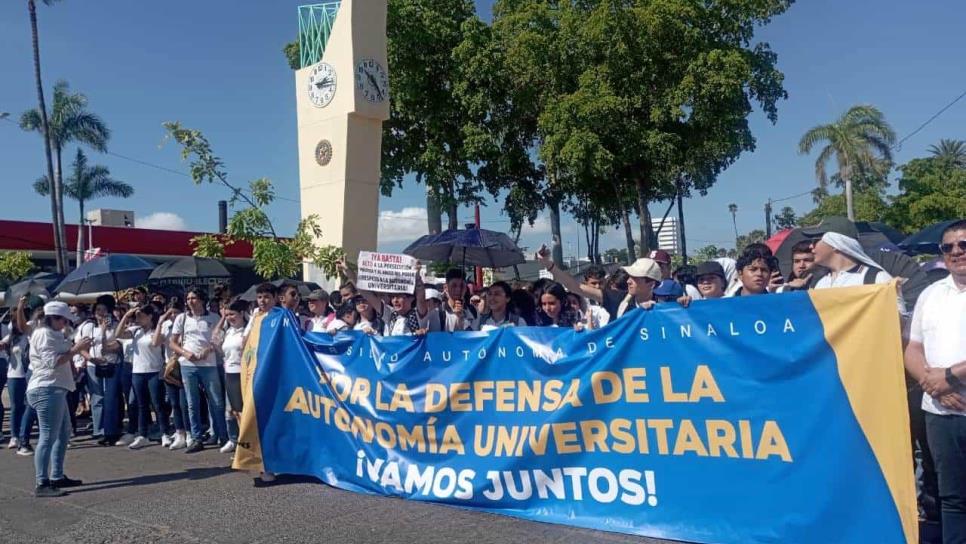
x=217 y=66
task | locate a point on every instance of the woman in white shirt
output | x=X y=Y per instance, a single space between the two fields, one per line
x=230 y=340
x=22 y=416
x=103 y=371
x=174 y=393
x=147 y=362
x=51 y=379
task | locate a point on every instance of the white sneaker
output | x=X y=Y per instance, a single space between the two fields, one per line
x=228 y=447
x=139 y=443
x=125 y=439
x=178 y=443
x=166 y=441
x=25 y=451
x=14 y=443
x=189 y=442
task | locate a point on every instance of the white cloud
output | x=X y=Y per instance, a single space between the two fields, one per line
x=405 y=225
x=541 y=225
x=162 y=221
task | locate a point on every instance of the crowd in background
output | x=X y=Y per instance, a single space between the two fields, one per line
x=104 y=364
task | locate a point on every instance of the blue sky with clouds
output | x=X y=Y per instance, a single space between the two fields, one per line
x=217 y=66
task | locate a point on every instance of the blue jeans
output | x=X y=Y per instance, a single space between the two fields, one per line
x=947 y=441
x=149 y=392
x=106 y=401
x=51 y=406
x=3 y=382
x=129 y=400
x=207 y=377
x=177 y=404
x=22 y=415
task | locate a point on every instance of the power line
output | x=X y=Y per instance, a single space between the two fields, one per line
x=898 y=144
x=774 y=200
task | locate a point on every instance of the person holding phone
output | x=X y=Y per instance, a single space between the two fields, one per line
x=103 y=372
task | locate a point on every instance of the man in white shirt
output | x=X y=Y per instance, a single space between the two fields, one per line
x=936 y=358
x=322 y=314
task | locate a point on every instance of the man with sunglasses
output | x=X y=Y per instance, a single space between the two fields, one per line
x=936 y=358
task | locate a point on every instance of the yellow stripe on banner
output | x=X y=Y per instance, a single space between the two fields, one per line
x=862 y=327
x=248 y=453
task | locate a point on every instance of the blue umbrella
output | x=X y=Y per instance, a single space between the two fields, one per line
x=477 y=247
x=927 y=240
x=109 y=273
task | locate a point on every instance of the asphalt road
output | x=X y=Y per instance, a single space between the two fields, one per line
x=155 y=495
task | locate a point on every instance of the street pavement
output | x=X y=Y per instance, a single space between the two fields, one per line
x=155 y=495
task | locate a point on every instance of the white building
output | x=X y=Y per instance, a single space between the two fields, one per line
x=669 y=237
x=110 y=218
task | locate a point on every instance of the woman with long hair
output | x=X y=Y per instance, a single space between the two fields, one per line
x=175 y=394
x=147 y=363
x=554 y=310
x=103 y=371
x=51 y=378
x=229 y=338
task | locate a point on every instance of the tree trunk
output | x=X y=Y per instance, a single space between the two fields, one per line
x=434 y=215
x=684 y=244
x=61 y=222
x=80 y=235
x=58 y=240
x=554 y=206
x=644 y=215
x=847 y=177
x=452 y=215
x=626 y=219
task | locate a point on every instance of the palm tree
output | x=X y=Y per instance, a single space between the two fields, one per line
x=56 y=214
x=86 y=183
x=69 y=121
x=953 y=151
x=860 y=140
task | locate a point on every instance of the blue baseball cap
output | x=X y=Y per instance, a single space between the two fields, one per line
x=669 y=288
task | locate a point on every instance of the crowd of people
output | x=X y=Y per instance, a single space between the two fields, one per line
x=109 y=361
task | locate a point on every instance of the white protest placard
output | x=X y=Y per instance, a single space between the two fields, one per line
x=386 y=272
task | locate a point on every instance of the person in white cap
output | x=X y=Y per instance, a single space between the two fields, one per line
x=51 y=354
x=644 y=275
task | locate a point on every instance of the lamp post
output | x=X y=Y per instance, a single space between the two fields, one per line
x=733 y=208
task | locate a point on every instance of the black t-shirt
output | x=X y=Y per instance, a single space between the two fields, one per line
x=612 y=301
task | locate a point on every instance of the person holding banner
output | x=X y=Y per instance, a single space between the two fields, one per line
x=554 y=310
x=456 y=314
x=322 y=312
x=936 y=358
x=498 y=313
x=756 y=268
x=405 y=315
x=711 y=280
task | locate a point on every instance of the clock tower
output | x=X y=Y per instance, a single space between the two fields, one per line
x=342 y=99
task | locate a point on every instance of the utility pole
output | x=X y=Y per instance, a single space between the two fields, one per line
x=768 y=219
x=733 y=208
x=684 y=244
x=479 y=269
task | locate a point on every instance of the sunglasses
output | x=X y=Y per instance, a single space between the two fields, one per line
x=948 y=248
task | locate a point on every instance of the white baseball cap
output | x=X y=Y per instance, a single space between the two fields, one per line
x=433 y=293
x=59 y=309
x=644 y=268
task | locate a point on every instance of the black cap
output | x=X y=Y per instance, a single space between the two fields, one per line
x=835 y=223
x=710 y=267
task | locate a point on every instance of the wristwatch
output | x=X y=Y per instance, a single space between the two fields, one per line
x=952 y=379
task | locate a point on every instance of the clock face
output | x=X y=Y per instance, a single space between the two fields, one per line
x=321 y=85
x=323 y=152
x=372 y=80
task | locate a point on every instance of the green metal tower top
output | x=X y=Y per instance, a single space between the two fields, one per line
x=315 y=25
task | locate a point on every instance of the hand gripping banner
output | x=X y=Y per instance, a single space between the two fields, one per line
x=776 y=418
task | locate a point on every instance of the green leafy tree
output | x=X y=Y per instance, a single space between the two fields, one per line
x=69 y=122
x=951 y=151
x=860 y=141
x=931 y=190
x=86 y=183
x=14 y=265
x=274 y=256
x=869 y=205
x=752 y=237
x=707 y=253
x=57 y=216
x=785 y=219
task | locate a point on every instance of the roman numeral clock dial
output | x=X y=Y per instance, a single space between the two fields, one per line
x=372 y=80
x=322 y=84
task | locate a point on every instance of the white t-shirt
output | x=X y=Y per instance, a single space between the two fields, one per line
x=486 y=322
x=232 y=346
x=939 y=324
x=18 y=363
x=320 y=323
x=4 y=337
x=196 y=333
x=46 y=345
x=90 y=329
x=146 y=357
x=337 y=325
x=127 y=350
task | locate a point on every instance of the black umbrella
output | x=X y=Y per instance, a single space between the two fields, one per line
x=25 y=288
x=927 y=240
x=109 y=273
x=477 y=247
x=190 y=268
x=304 y=287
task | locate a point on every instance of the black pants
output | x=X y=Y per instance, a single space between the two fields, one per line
x=947 y=440
x=927 y=485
